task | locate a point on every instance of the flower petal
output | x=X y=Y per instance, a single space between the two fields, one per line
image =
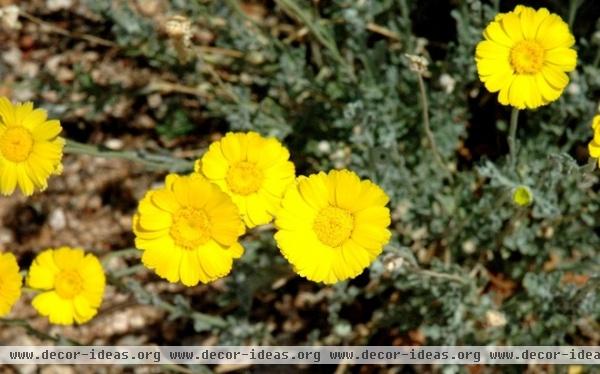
x=563 y=58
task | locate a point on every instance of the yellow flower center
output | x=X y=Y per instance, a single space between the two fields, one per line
x=68 y=284
x=333 y=226
x=244 y=178
x=16 y=144
x=190 y=228
x=527 y=57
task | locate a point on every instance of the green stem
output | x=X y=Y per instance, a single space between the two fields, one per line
x=427 y=127
x=121 y=253
x=512 y=137
x=573 y=6
x=130 y=270
x=447 y=276
x=155 y=162
x=496 y=5
x=597 y=58
x=35 y=332
x=415 y=268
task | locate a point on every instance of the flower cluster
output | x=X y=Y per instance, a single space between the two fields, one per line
x=71 y=284
x=330 y=227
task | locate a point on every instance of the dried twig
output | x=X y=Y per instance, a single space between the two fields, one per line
x=74 y=35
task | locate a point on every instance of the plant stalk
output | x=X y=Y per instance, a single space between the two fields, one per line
x=426 y=125
x=126 y=252
x=155 y=162
x=573 y=6
x=512 y=137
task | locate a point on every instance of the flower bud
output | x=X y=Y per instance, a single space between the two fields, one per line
x=522 y=196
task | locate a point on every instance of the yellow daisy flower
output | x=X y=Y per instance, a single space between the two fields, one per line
x=188 y=230
x=72 y=283
x=253 y=170
x=524 y=57
x=594 y=145
x=30 y=149
x=332 y=226
x=10 y=282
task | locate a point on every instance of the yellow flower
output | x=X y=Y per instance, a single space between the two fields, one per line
x=522 y=196
x=253 y=170
x=30 y=149
x=72 y=283
x=596 y=122
x=332 y=226
x=10 y=282
x=188 y=230
x=524 y=57
x=594 y=145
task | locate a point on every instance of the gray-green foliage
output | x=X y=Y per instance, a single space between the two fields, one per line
x=343 y=96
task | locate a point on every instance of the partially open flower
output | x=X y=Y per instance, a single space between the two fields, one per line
x=522 y=196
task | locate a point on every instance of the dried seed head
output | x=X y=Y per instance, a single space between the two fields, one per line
x=392 y=263
x=417 y=64
x=179 y=30
x=179 y=27
x=495 y=318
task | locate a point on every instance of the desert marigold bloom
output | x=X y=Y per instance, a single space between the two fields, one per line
x=72 y=284
x=188 y=230
x=253 y=170
x=525 y=56
x=10 y=282
x=332 y=226
x=30 y=149
x=594 y=145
